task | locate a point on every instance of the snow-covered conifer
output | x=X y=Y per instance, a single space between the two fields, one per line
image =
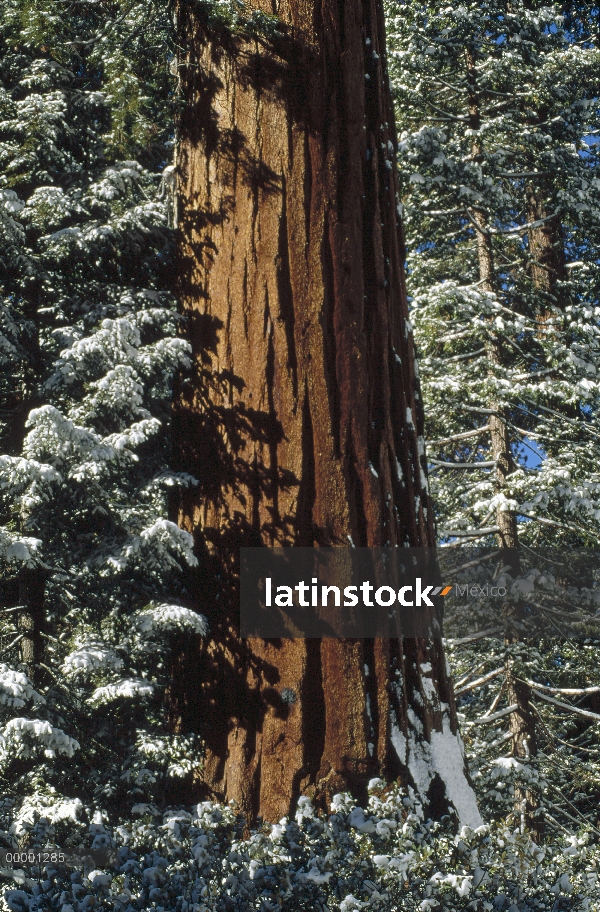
x=497 y=108
x=91 y=567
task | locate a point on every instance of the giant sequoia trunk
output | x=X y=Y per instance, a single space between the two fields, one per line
x=303 y=420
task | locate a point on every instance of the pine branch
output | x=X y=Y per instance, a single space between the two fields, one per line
x=81 y=43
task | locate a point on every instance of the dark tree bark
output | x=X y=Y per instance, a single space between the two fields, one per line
x=546 y=247
x=303 y=421
x=30 y=619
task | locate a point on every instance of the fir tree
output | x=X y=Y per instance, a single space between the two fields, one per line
x=89 y=344
x=497 y=105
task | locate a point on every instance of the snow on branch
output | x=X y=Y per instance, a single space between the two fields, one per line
x=464 y=436
x=26 y=737
x=91 y=658
x=128 y=689
x=16 y=689
x=574 y=691
x=566 y=706
x=485 y=720
x=487 y=464
x=479 y=682
x=172 y=618
x=156 y=547
x=18 y=548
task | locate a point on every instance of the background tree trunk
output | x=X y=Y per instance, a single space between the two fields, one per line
x=546 y=247
x=303 y=421
x=30 y=619
x=522 y=723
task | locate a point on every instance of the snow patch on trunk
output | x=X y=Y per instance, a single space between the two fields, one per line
x=443 y=755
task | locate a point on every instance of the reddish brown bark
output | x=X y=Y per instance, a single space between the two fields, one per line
x=303 y=419
x=546 y=248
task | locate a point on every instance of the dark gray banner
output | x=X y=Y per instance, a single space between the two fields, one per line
x=457 y=592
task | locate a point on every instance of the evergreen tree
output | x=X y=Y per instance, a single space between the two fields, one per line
x=497 y=108
x=90 y=564
x=502 y=100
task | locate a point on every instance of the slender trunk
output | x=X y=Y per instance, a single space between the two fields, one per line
x=522 y=726
x=522 y=723
x=546 y=251
x=30 y=618
x=500 y=438
x=303 y=421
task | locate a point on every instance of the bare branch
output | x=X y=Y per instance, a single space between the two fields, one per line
x=522 y=174
x=566 y=706
x=552 y=522
x=14 y=643
x=581 y=424
x=570 y=816
x=541 y=373
x=479 y=682
x=481 y=411
x=484 y=231
x=565 y=690
x=462 y=436
x=480 y=351
x=474 y=533
x=488 y=464
x=485 y=720
x=477 y=636
x=474 y=563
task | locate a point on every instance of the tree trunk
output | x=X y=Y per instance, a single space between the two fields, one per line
x=500 y=438
x=522 y=722
x=30 y=619
x=546 y=247
x=547 y=257
x=303 y=420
